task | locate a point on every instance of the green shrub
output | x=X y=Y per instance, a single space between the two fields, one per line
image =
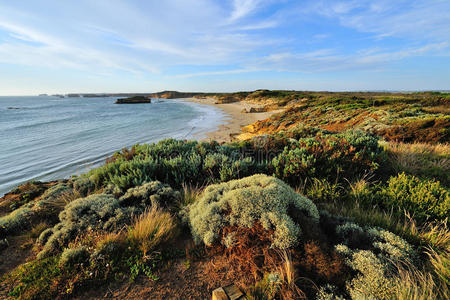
x=382 y=241
x=425 y=199
x=18 y=219
x=102 y=212
x=345 y=155
x=83 y=185
x=152 y=193
x=321 y=190
x=73 y=256
x=374 y=260
x=243 y=202
x=305 y=152
x=46 y=206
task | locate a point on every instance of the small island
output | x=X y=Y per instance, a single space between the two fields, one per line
x=133 y=100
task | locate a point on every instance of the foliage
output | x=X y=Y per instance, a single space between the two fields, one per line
x=425 y=199
x=72 y=256
x=152 y=193
x=139 y=265
x=102 y=212
x=243 y=202
x=14 y=221
x=326 y=156
x=374 y=280
x=291 y=155
x=373 y=260
x=36 y=278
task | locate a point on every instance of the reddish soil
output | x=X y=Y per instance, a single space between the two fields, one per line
x=177 y=281
x=17 y=253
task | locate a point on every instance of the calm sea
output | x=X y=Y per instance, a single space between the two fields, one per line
x=45 y=138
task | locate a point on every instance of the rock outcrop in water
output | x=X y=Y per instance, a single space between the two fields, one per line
x=133 y=100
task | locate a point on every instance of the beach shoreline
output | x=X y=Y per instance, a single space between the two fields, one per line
x=235 y=118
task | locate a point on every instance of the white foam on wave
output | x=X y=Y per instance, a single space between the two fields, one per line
x=209 y=120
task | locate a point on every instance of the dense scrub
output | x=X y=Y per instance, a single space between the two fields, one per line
x=292 y=156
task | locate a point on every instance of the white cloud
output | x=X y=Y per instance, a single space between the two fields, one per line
x=410 y=19
x=242 y=8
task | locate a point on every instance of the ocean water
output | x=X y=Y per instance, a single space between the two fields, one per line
x=46 y=138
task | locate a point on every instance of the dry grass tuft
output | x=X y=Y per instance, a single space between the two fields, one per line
x=189 y=194
x=37 y=230
x=414 y=284
x=108 y=238
x=441 y=266
x=290 y=290
x=151 y=229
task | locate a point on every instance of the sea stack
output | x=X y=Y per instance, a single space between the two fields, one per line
x=134 y=100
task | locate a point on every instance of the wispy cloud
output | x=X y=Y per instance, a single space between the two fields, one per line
x=326 y=60
x=242 y=8
x=412 y=19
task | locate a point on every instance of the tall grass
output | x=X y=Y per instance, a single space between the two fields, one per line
x=288 y=274
x=151 y=229
x=441 y=265
x=415 y=284
x=189 y=194
x=420 y=159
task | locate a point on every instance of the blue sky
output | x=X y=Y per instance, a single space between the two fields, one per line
x=228 y=45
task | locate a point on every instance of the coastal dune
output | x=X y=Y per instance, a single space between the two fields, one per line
x=235 y=120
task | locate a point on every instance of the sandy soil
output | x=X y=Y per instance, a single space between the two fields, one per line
x=235 y=118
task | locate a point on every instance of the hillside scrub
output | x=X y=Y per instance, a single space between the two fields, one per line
x=413 y=117
x=292 y=155
x=379 y=234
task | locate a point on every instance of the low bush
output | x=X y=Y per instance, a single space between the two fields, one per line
x=103 y=212
x=291 y=155
x=244 y=202
x=16 y=220
x=152 y=193
x=73 y=256
x=425 y=199
x=373 y=255
x=345 y=155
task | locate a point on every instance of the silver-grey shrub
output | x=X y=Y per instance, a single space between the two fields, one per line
x=258 y=198
x=21 y=218
x=376 y=276
x=151 y=193
x=102 y=212
x=72 y=256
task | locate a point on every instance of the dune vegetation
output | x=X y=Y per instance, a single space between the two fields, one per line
x=339 y=196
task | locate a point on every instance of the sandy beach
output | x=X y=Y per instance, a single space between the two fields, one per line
x=236 y=119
